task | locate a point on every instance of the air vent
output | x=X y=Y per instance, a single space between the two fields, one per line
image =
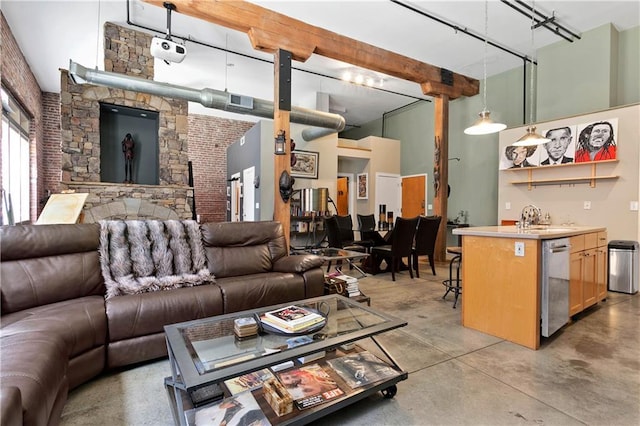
x=240 y=101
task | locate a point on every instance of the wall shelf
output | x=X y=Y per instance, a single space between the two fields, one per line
x=591 y=179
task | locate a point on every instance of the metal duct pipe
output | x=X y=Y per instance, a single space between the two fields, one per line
x=209 y=98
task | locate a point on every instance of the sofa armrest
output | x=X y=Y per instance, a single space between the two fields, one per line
x=297 y=263
x=11 y=405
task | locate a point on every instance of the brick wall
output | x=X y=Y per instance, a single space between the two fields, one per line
x=51 y=169
x=20 y=81
x=209 y=138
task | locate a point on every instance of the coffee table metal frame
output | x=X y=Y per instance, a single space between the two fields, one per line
x=186 y=380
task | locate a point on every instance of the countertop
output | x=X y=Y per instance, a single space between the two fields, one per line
x=536 y=232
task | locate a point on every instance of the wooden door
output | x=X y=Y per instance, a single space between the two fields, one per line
x=413 y=196
x=342 y=200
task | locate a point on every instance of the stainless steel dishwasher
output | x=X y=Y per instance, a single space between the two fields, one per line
x=555 y=284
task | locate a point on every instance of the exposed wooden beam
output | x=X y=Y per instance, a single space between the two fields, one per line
x=269 y=31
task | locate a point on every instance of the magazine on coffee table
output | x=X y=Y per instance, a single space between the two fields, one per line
x=360 y=369
x=238 y=410
x=293 y=316
x=309 y=385
x=250 y=381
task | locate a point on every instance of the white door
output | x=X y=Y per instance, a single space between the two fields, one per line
x=389 y=193
x=249 y=195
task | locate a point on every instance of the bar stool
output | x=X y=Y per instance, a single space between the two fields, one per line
x=454 y=284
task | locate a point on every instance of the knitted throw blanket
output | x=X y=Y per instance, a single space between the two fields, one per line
x=138 y=256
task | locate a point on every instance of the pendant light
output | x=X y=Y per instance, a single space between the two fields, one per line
x=531 y=137
x=485 y=125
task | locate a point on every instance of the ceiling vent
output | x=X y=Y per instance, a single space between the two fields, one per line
x=240 y=101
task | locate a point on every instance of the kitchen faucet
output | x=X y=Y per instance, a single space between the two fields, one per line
x=530 y=215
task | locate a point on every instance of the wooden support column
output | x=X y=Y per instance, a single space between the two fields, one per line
x=281 y=123
x=441 y=172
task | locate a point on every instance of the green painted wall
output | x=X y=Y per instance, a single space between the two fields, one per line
x=579 y=77
x=572 y=80
x=629 y=66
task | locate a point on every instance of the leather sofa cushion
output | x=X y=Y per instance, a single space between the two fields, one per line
x=138 y=315
x=252 y=291
x=47 y=264
x=242 y=248
x=11 y=402
x=80 y=323
x=35 y=363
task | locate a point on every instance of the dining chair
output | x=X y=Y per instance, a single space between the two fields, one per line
x=340 y=236
x=401 y=244
x=425 y=241
x=345 y=226
x=367 y=224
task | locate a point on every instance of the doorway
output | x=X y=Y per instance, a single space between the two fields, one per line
x=388 y=192
x=414 y=195
x=342 y=195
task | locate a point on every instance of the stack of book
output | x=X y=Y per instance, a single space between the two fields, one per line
x=245 y=327
x=352 y=288
x=291 y=319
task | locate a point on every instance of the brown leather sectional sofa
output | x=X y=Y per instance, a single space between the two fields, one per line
x=57 y=331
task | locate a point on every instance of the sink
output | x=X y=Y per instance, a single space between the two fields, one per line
x=551 y=228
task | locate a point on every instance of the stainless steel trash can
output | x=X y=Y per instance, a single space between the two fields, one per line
x=623 y=266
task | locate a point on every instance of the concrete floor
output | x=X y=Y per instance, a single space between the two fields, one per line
x=587 y=373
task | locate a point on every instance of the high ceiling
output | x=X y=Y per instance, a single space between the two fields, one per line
x=50 y=33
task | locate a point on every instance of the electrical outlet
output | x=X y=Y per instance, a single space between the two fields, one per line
x=587 y=205
x=429 y=206
x=507 y=206
x=519 y=249
x=633 y=206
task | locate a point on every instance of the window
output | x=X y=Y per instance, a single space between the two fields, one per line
x=15 y=162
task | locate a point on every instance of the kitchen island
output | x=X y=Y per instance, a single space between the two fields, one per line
x=502 y=275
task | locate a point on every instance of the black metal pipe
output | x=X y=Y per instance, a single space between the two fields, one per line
x=540 y=22
x=524 y=92
x=133 y=24
x=384 y=114
x=546 y=18
x=457 y=28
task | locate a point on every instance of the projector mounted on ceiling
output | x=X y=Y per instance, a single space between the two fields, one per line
x=165 y=48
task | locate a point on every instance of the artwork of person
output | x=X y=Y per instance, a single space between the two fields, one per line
x=307 y=381
x=596 y=143
x=560 y=138
x=519 y=155
x=231 y=412
x=128 y=150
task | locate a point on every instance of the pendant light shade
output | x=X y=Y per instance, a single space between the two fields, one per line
x=531 y=138
x=484 y=125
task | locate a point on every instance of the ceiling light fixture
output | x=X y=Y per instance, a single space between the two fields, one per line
x=485 y=125
x=362 y=78
x=531 y=137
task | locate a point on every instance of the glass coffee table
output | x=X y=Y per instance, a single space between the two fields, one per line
x=205 y=357
x=330 y=254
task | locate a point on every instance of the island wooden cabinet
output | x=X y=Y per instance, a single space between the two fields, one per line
x=502 y=277
x=602 y=260
x=588 y=270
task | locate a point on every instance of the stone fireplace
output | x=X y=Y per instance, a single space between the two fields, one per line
x=127 y=52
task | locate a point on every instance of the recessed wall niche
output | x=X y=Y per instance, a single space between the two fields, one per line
x=116 y=121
